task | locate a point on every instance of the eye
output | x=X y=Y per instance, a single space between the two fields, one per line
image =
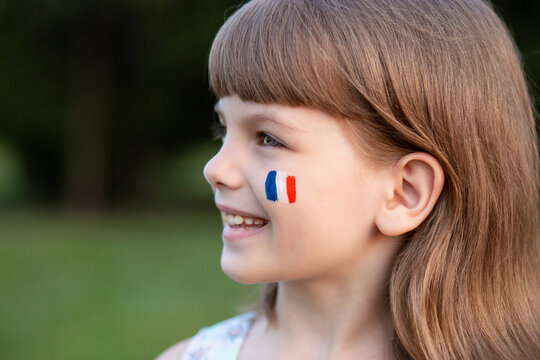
x=267 y=140
x=218 y=130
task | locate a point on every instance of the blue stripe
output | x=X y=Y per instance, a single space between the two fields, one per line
x=271 y=189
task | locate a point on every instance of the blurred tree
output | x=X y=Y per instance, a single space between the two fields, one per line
x=95 y=93
x=92 y=91
x=12 y=183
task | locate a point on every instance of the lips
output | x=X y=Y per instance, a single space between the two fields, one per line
x=240 y=224
x=233 y=211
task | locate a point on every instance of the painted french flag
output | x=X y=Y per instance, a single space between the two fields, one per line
x=280 y=187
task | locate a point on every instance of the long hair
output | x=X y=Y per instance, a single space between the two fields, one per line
x=439 y=76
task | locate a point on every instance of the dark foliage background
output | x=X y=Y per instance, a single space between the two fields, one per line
x=99 y=98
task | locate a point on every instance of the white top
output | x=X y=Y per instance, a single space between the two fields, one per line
x=221 y=341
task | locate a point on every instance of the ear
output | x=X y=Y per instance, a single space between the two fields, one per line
x=417 y=182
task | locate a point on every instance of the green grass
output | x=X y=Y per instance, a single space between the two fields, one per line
x=121 y=286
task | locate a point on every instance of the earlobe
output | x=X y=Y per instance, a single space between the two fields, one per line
x=416 y=184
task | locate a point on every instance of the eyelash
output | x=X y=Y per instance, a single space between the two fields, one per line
x=219 y=131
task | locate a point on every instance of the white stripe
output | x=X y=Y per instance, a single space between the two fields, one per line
x=281 y=185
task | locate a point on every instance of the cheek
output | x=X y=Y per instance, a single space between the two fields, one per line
x=312 y=242
x=326 y=207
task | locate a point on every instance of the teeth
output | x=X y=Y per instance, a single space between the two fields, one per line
x=237 y=220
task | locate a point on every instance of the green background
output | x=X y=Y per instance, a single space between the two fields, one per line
x=120 y=286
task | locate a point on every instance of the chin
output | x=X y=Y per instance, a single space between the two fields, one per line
x=240 y=275
x=245 y=275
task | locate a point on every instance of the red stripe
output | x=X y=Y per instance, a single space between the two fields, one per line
x=291 y=189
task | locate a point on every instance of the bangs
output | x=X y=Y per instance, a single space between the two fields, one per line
x=277 y=52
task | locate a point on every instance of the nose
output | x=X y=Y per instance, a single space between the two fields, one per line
x=223 y=171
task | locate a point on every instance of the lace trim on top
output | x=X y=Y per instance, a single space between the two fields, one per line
x=221 y=341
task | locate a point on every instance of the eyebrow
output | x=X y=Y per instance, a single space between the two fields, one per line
x=262 y=117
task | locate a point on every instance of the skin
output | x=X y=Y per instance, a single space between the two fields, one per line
x=332 y=251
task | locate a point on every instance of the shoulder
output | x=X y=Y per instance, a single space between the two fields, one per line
x=174 y=352
x=222 y=339
x=230 y=330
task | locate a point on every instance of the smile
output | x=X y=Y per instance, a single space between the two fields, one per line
x=238 y=221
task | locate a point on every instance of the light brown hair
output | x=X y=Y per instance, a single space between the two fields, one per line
x=439 y=76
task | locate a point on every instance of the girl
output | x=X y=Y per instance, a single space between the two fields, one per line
x=379 y=174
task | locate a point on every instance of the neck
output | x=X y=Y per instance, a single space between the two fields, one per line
x=345 y=312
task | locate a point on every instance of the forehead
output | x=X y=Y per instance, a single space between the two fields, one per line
x=232 y=109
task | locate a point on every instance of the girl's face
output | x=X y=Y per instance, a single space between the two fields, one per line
x=330 y=226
